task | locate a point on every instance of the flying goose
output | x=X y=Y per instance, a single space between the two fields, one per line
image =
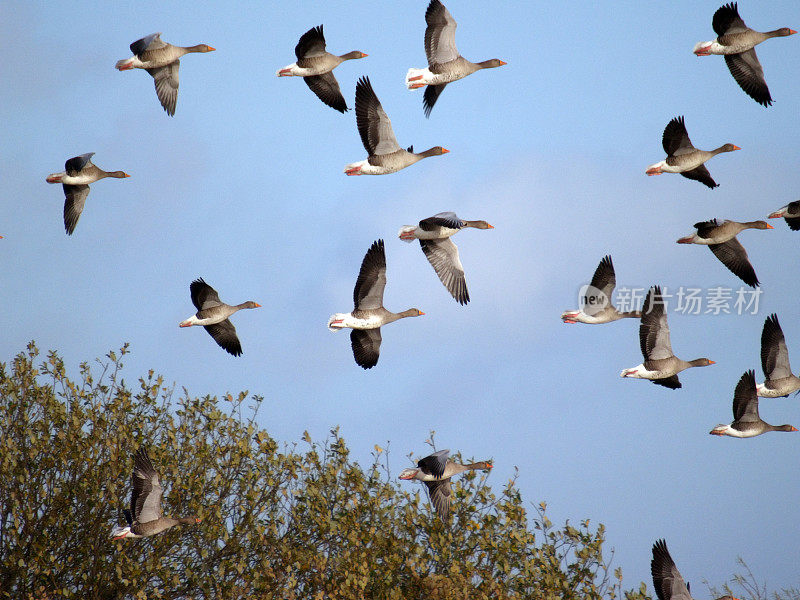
x=213 y=314
x=660 y=365
x=144 y=517
x=667 y=580
x=434 y=234
x=162 y=61
x=779 y=380
x=435 y=472
x=78 y=174
x=375 y=128
x=736 y=41
x=791 y=213
x=683 y=157
x=315 y=66
x=746 y=422
x=369 y=314
x=445 y=64
x=720 y=237
x=597 y=299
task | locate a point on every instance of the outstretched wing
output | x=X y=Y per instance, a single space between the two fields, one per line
x=440 y=35
x=327 y=89
x=73 y=205
x=224 y=333
x=368 y=292
x=166 y=80
x=312 y=43
x=146 y=494
x=366 y=345
x=749 y=74
x=443 y=256
x=373 y=123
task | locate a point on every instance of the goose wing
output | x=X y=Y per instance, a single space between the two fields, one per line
x=443 y=256
x=368 y=292
x=146 y=494
x=733 y=255
x=366 y=345
x=774 y=353
x=373 y=123
x=166 y=80
x=73 y=205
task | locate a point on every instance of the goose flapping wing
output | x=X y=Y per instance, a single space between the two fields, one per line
x=440 y=493
x=443 y=256
x=727 y=20
x=435 y=463
x=653 y=329
x=748 y=73
x=667 y=580
x=312 y=43
x=327 y=89
x=203 y=295
x=373 y=123
x=224 y=333
x=366 y=344
x=442 y=219
x=150 y=42
x=774 y=353
x=440 y=34
x=675 y=139
x=733 y=255
x=76 y=164
x=146 y=494
x=745 y=400
x=604 y=278
x=166 y=81
x=73 y=205
x=368 y=292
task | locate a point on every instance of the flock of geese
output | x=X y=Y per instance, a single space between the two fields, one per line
x=735 y=41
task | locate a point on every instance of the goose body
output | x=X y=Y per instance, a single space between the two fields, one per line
x=737 y=42
x=790 y=213
x=162 y=61
x=213 y=314
x=599 y=301
x=720 y=237
x=369 y=315
x=315 y=65
x=435 y=471
x=779 y=380
x=683 y=157
x=660 y=365
x=445 y=64
x=144 y=517
x=78 y=173
x=385 y=154
x=434 y=234
x=746 y=422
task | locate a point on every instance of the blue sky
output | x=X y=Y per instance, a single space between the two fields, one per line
x=244 y=187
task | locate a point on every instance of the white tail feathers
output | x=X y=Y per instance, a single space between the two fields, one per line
x=419 y=73
x=701 y=45
x=124 y=64
x=408 y=230
x=331 y=320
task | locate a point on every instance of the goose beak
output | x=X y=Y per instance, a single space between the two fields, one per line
x=257 y=305
x=125 y=175
x=210 y=49
x=793 y=429
x=421 y=313
x=502 y=62
x=197 y=520
x=770 y=226
x=736 y=147
x=491 y=226
x=445 y=150
x=792 y=32
x=712 y=362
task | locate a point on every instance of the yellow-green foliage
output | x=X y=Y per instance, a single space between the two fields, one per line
x=289 y=521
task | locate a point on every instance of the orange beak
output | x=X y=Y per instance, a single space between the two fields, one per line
x=736 y=147
x=503 y=63
x=210 y=49
x=258 y=305
x=445 y=150
x=421 y=313
x=770 y=226
x=711 y=362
